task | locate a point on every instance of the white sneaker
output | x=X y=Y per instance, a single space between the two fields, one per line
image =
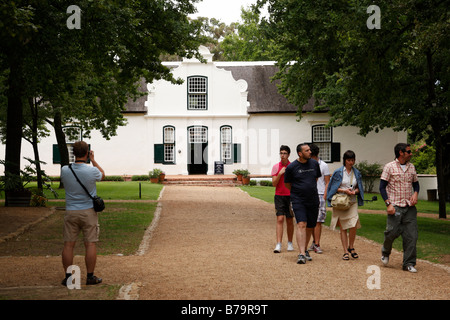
x=317 y=249
x=385 y=260
x=410 y=269
x=290 y=246
x=277 y=248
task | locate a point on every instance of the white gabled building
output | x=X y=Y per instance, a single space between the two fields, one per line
x=224 y=111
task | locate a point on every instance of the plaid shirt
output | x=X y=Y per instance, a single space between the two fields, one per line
x=399 y=188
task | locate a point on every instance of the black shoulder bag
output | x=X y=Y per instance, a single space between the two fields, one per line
x=99 y=204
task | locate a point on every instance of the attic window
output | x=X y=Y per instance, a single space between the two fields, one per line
x=197 y=93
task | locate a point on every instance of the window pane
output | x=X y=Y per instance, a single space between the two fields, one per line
x=169 y=153
x=226 y=151
x=321 y=134
x=71 y=155
x=324 y=151
x=226 y=135
x=169 y=136
x=198 y=135
x=197 y=101
x=197 y=85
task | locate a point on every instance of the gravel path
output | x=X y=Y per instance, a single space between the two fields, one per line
x=217 y=243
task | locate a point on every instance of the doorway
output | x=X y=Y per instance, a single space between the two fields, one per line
x=197 y=161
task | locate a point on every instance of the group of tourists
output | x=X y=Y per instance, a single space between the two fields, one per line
x=302 y=189
x=305 y=186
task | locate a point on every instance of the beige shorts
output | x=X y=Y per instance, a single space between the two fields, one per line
x=81 y=220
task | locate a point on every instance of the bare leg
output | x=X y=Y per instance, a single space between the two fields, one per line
x=280 y=221
x=290 y=228
x=317 y=233
x=67 y=254
x=91 y=256
x=301 y=237
x=344 y=239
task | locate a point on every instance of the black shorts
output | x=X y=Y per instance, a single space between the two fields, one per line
x=283 y=206
x=306 y=211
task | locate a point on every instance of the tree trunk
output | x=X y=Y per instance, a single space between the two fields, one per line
x=441 y=183
x=438 y=138
x=14 y=119
x=34 y=132
x=61 y=140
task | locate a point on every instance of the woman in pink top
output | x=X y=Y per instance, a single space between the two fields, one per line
x=282 y=200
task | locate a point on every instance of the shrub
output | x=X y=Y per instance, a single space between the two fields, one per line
x=113 y=178
x=245 y=173
x=142 y=177
x=237 y=172
x=266 y=183
x=424 y=158
x=155 y=173
x=370 y=172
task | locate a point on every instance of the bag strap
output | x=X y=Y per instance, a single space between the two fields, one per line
x=70 y=166
x=351 y=178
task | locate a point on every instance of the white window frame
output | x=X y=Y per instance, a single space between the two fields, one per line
x=197 y=89
x=169 y=144
x=226 y=143
x=70 y=142
x=322 y=136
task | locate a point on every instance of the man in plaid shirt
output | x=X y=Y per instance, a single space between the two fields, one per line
x=399 y=189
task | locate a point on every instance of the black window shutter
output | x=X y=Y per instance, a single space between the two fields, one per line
x=237 y=153
x=335 y=152
x=159 y=153
x=56 y=154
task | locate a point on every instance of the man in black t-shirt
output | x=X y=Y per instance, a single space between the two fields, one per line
x=301 y=178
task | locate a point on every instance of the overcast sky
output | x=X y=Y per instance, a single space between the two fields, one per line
x=224 y=10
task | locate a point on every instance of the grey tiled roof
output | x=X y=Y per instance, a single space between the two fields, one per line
x=263 y=94
x=138 y=106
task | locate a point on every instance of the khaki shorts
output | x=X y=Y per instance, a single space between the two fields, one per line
x=81 y=220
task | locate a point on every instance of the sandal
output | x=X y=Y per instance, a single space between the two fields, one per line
x=353 y=254
x=345 y=257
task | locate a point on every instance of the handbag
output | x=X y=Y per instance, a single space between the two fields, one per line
x=342 y=201
x=99 y=204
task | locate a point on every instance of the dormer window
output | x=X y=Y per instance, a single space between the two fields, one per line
x=197 y=93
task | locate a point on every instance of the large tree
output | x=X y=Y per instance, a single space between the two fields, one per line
x=249 y=42
x=85 y=73
x=395 y=75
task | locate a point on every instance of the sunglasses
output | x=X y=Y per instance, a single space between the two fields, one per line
x=408 y=151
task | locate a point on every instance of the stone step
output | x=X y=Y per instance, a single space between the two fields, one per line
x=199 y=182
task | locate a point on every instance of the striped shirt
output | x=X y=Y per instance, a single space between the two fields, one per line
x=399 y=188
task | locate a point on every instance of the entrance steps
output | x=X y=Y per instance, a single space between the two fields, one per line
x=202 y=180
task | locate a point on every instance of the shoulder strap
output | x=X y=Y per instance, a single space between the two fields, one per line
x=70 y=166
